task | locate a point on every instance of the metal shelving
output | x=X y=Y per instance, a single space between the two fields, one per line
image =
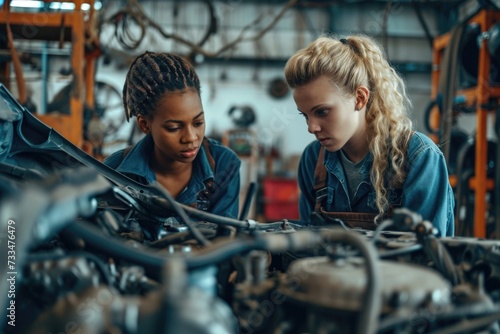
x=480 y=96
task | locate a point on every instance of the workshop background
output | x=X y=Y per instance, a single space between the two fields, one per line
x=84 y=249
x=69 y=70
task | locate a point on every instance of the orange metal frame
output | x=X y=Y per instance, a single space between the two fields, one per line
x=67 y=27
x=480 y=96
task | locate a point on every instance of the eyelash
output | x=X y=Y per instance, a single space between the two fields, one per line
x=197 y=124
x=321 y=112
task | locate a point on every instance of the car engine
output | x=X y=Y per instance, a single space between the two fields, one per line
x=87 y=250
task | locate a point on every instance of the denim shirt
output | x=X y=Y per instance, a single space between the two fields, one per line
x=226 y=174
x=426 y=189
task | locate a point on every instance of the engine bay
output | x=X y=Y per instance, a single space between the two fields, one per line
x=88 y=250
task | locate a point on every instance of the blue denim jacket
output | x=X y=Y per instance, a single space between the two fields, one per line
x=426 y=189
x=226 y=174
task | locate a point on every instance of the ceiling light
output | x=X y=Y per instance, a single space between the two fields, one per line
x=53 y=5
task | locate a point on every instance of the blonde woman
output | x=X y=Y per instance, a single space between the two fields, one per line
x=366 y=159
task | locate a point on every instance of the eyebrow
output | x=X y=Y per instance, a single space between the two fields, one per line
x=313 y=108
x=180 y=122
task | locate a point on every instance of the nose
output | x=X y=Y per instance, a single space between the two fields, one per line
x=312 y=126
x=189 y=135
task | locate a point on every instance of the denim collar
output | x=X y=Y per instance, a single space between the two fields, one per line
x=137 y=162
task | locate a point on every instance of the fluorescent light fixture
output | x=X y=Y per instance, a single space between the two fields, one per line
x=63 y=5
x=26 y=4
x=53 y=5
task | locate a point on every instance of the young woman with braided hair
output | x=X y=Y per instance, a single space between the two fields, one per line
x=162 y=91
x=367 y=160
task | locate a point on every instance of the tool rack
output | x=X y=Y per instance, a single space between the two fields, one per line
x=479 y=95
x=67 y=26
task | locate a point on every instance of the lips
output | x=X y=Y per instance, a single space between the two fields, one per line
x=323 y=141
x=189 y=153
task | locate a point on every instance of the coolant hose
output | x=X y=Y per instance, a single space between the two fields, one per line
x=436 y=251
x=368 y=318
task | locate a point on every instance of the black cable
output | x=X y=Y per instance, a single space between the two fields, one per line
x=400 y=251
x=152 y=262
x=117 y=248
x=341 y=223
x=427 y=117
x=182 y=214
x=225 y=250
x=22 y=173
x=123 y=31
x=100 y=265
x=378 y=231
x=212 y=28
x=248 y=200
x=279 y=225
x=156 y=200
x=448 y=81
x=216 y=219
x=176 y=238
x=463 y=173
x=150 y=200
x=436 y=251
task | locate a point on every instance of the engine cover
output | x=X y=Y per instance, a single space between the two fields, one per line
x=340 y=285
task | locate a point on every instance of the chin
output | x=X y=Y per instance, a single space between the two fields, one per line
x=333 y=148
x=187 y=160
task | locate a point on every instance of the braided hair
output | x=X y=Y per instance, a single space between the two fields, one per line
x=153 y=74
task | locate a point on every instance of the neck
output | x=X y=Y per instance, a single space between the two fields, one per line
x=356 y=148
x=356 y=156
x=167 y=167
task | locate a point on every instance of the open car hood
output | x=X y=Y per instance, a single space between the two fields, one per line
x=29 y=149
x=27 y=143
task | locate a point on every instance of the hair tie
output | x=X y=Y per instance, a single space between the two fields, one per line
x=344 y=41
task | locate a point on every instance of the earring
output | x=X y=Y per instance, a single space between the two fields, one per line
x=357 y=108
